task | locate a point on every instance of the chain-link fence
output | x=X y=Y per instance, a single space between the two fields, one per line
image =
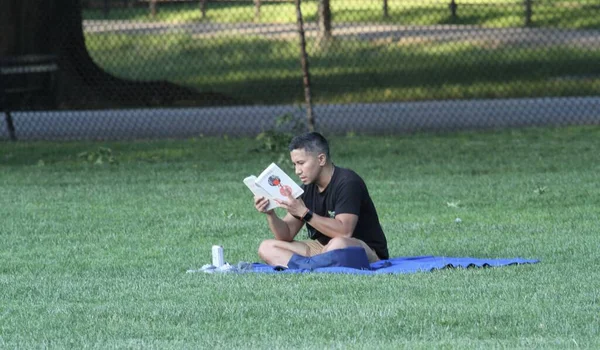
x=182 y=68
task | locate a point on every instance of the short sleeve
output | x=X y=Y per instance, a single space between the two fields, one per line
x=349 y=196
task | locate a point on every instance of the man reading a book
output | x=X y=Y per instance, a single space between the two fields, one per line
x=335 y=206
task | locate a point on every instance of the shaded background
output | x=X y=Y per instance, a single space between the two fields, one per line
x=131 y=69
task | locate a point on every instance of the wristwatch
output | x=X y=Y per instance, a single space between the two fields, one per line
x=308 y=216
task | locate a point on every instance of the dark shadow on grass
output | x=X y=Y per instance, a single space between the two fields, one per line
x=259 y=71
x=329 y=84
x=580 y=18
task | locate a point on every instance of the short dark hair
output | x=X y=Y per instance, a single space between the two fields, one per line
x=310 y=142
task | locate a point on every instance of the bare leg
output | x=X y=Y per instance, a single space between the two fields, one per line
x=341 y=243
x=278 y=253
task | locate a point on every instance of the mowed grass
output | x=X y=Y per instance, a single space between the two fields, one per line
x=95 y=255
x=253 y=68
x=256 y=70
x=489 y=13
x=370 y=67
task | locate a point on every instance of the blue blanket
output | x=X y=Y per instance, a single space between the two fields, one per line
x=398 y=265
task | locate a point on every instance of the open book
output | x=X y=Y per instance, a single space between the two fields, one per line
x=273 y=183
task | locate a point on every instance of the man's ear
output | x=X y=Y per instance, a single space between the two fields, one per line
x=322 y=159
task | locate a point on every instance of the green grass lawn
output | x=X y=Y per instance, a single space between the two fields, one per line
x=493 y=13
x=95 y=255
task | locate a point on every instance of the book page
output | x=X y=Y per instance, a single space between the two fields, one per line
x=250 y=182
x=276 y=182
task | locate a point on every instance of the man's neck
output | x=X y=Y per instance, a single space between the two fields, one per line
x=325 y=177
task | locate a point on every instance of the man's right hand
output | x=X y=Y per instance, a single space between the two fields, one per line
x=261 y=204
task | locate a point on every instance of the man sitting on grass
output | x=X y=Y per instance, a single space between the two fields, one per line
x=336 y=207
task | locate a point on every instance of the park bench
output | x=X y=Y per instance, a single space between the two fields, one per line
x=26 y=82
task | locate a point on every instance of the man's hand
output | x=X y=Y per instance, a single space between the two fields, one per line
x=294 y=206
x=261 y=204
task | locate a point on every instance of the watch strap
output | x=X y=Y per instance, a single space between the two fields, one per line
x=308 y=216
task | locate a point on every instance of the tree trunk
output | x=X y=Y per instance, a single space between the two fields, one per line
x=528 y=12
x=386 y=12
x=106 y=8
x=453 y=8
x=25 y=33
x=324 y=16
x=25 y=27
x=257 y=4
x=203 y=8
x=54 y=27
x=153 y=9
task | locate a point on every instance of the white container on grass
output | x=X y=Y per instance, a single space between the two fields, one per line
x=217 y=256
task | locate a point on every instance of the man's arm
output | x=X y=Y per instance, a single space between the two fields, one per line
x=284 y=229
x=342 y=225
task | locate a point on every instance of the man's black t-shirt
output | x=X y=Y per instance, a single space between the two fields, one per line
x=347 y=194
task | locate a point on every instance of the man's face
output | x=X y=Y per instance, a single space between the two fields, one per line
x=307 y=165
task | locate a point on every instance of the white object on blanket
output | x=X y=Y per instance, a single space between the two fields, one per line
x=225 y=268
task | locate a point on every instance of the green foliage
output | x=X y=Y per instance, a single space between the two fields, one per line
x=540 y=190
x=101 y=156
x=273 y=140
x=277 y=139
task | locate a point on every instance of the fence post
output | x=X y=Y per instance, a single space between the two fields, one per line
x=453 y=7
x=310 y=119
x=528 y=12
x=385 y=9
